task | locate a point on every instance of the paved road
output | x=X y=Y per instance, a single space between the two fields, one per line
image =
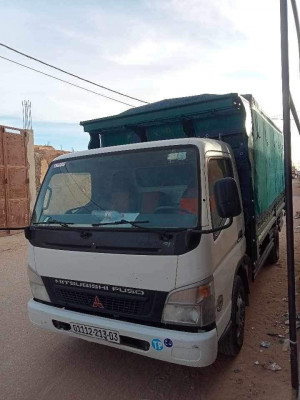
x=38 y=365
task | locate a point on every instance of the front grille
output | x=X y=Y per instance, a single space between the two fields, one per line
x=115 y=304
x=118 y=302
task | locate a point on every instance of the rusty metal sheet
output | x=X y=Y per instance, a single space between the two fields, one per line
x=14 y=184
x=2 y=198
x=15 y=149
x=2 y=185
x=1 y=149
x=17 y=199
x=18 y=213
x=17 y=182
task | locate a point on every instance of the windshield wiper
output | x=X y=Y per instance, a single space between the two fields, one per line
x=122 y=222
x=163 y=234
x=54 y=221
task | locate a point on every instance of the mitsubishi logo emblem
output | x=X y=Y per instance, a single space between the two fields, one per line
x=97 y=303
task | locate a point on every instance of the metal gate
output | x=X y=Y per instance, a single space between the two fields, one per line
x=14 y=181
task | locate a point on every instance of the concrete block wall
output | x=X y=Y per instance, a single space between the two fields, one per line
x=43 y=156
x=31 y=168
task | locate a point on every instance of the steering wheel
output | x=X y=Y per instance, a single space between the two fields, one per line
x=169 y=210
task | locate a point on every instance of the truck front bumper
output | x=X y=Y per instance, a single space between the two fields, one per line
x=191 y=349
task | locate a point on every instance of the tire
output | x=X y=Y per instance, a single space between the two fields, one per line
x=274 y=253
x=233 y=340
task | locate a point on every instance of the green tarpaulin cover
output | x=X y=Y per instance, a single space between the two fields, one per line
x=258 y=153
x=268 y=172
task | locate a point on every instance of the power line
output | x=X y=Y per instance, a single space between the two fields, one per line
x=69 y=73
x=69 y=83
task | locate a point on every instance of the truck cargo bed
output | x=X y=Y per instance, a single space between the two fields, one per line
x=235 y=119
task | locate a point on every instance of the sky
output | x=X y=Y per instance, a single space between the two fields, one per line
x=149 y=49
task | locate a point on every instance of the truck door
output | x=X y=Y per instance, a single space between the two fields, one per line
x=228 y=245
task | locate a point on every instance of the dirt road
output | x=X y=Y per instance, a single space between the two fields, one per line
x=38 y=365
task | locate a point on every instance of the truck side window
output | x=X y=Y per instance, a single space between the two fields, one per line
x=218 y=168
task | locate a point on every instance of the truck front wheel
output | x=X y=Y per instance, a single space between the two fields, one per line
x=233 y=340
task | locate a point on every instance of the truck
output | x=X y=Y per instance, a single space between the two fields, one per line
x=149 y=240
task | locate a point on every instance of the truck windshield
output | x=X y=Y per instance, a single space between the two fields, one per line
x=158 y=187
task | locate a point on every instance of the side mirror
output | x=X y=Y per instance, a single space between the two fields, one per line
x=227 y=198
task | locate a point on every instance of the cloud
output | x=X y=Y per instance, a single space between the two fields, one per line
x=151 y=49
x=148 y=52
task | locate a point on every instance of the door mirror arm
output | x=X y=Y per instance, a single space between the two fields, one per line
x=191 y=232
x=213 y=230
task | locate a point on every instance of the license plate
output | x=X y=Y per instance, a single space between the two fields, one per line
x=97 y=333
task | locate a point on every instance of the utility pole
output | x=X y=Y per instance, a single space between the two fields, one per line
x=288 y=107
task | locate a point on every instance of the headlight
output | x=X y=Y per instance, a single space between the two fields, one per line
x=193 y=306
x=37 y=287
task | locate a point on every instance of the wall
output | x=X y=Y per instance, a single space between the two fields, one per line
x=43 y=156
x=31 y=168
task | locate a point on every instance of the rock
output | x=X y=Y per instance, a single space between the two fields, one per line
x=256 y=362
x=286 y=345
x=287 y=322
x=272 y=366
x=265 y=345
x=278 y=335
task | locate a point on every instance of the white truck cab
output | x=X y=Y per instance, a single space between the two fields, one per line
x=159 y=293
